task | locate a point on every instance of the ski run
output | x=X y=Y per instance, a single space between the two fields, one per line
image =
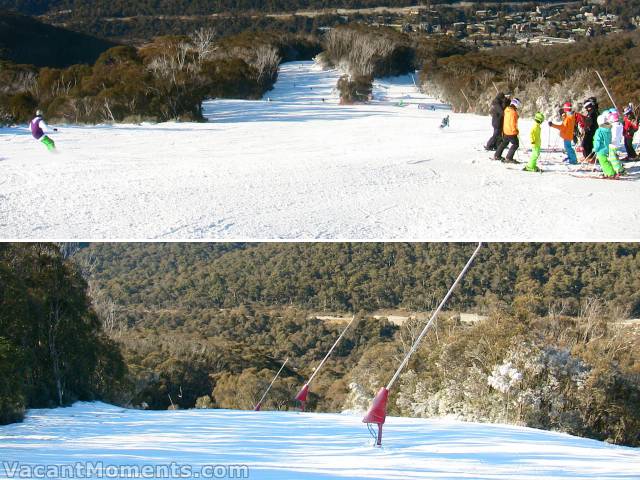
x=287 y=445
x=297 y=165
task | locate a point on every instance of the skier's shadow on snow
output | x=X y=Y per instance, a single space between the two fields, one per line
x=16 y=130
x=633 y=173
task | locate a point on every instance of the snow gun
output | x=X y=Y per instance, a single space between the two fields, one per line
x=377 y=412
x=259 y=404
x=302 y=394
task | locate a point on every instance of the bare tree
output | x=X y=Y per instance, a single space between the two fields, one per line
x=203 y=44
x=266 y=61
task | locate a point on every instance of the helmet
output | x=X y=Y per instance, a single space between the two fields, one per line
x=516 y=102
x=539 y=117
x=602 y=119
x=38 y=113
x=567 y=107
x=628 y=109
x=612 y=116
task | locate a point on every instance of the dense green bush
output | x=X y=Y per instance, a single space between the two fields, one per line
x=52 y=349
x=12 y=401
x=368 y=276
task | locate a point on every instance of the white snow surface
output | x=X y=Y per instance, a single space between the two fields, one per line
x=292 y=166
x=290 y=445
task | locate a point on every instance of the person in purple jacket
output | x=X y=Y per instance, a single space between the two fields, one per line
x=39 y=130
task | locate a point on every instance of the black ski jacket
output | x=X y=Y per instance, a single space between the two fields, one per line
x=497 y=112
x=591 y=123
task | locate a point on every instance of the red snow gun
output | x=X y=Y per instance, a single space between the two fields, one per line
x=301 y=397
x=377 y=413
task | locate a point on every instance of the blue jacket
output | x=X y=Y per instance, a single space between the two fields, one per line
x=601 y=141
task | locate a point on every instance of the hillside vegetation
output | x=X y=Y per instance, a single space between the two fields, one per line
x=166 y=79
x=543 y=77
x=209 y=324
x=24 y=40
x=367 y=276
x=52 y=347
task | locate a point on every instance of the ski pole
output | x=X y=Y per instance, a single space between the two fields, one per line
x=606 y=90
x=433 y=317
x=259 y=404
x=466 y=98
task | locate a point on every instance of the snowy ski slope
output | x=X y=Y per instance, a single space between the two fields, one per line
x=298 y=167
x=288 y=445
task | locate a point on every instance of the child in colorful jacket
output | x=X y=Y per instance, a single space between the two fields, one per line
x=510 y=133
x=567 y=128
x=601 y=142
x=536 y=143
x=630 y=128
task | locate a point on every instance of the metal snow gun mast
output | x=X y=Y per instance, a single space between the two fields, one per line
x=259 y=404
x=302 y=394
x=378 y=410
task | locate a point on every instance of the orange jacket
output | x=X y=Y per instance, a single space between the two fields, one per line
x=566 y=127
x=510 y=121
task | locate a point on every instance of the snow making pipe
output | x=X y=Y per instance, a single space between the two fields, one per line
x=259 y=404
x=433 y=317
x=606 y=90
x=302 y=394
x=377 y=412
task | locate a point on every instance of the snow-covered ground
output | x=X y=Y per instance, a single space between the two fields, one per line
x=298 y=167
x=288 y=445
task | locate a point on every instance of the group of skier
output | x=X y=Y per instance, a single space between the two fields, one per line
x=599 y=135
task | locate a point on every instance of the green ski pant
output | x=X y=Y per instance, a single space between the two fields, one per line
x=615 y=162
x=533 y=161
x=48 y=143
x=607 y=169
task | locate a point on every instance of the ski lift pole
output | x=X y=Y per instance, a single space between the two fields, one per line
x=413 y=78
x=466 y=98
x=377 y=413
x=606 y=90
x=302 y=394
x=259 y=404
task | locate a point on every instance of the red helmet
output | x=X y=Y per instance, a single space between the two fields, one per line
x=567 y=107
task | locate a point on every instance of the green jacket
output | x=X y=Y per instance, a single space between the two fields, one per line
x=601 y=141
x=536 y=136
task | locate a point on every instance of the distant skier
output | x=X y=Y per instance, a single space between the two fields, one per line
x=536 y=143
x=510 y=132
x=445 y=122
x=590 y=127
x=630 y=129
x=39 y=130
x=497 y=117
x=567 y=130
